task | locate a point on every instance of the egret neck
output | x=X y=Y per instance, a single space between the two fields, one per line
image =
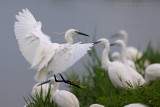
x=68 y=37
x=123 y=53
x=54 y=87
x=105 y=58
x=125 y=37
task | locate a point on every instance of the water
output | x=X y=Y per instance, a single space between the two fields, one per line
x=140 y=18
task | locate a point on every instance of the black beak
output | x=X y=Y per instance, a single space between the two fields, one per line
x=96 y=42
x=113 y=44
x=44 y=82
x=83 y=34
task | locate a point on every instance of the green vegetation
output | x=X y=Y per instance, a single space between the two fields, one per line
x=100 y=89
x=39 y=101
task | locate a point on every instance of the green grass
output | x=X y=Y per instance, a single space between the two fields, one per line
x=39 y=102
x=100 y=89
x=148 y=95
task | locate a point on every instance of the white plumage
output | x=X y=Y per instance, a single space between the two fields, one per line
x=152 y=72
x=40 y=52
x=37 y=90
x=131 y=52
x=135 y=105
x=137 y=78
x=116 y=56
x=119 y=73
x=123 y=54
x=62 y=98
x=96 y=105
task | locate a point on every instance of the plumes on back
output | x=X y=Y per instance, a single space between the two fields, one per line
x=65 y=99
x=119 y=75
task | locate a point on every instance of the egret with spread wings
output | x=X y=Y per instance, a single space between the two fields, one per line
x=40 y=52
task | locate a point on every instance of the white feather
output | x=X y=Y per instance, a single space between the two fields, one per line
x=96 y=105
x=152 y=72
x=135 y=105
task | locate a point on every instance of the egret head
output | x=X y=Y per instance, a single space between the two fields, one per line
x=116 y=56
x=103 y=41
x=50 y=81
x=72 y=32
x=118 y=43
x=122 y=33
x=75 y=32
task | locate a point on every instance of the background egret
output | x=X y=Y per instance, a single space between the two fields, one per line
x=131 y=52
x=136 y=105
x=152 y=72
x=117 y=71
x=96 y=105
x=123 y=54
x=116 y=56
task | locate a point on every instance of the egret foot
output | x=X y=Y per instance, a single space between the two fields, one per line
x=68 y=82
x=74 y=82
x=83 y=86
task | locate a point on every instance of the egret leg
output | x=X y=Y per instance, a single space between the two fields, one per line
x=63 y=80
x=69 y=82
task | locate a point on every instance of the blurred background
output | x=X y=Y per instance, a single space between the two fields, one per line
x=140 y=18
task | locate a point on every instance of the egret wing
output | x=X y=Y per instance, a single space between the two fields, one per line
x=32 y=41
x=78 y=51
x=66 y=55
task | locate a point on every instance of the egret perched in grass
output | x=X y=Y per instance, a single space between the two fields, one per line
x=137 y=78
x=62 y=98
x=116 y=56
x=117 y=71
x=37 y=90
x=96 y=105
x=136 y=105
x=131 y=52
x=123 y=54
x=40 y=52
x=152 y=72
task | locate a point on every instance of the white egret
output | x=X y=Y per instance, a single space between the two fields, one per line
x=131 y=52
x=40 y=52
x=135 y=105
x=116 y=56
x=117 y=71
x=62 y=98
x=137 y=78
x=152 y=72
x=123 y=54
x=37 y=90
x=96 y=105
